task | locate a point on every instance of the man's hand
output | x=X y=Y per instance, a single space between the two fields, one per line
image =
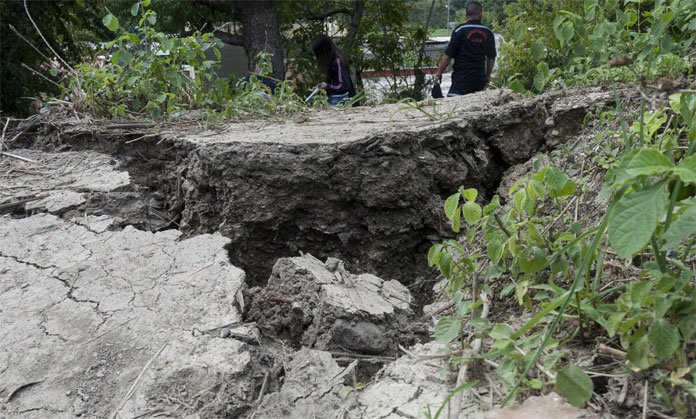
x=321 y=86
x=437 y=79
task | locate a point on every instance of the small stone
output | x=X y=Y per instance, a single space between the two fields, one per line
x=99 y=374
x=24 y=285
x=362 y=337
x=225 y=332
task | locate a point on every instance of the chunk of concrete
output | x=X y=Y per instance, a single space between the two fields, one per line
x=322 y=304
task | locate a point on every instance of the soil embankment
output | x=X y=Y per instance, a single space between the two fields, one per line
x=119 y=292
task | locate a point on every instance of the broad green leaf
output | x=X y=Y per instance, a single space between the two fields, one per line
x=687 y=169
x=560 y=265
x=145 y=3
x=434 y=254
x=472 y=212
x=687 y=327
x=520 y=30
x=664 y=338
x=532 y=259
x=134 y=9
x=613 y=323
x=541 y=76
x=500 y=331
x=516 y=86
x=451 y=205
x=649 y=161
x=565 y=32
x=682 y=227
x=521 y=289
x=111 y=22
x=115 y=57
x=575 y=385
x=445 y=265
x=639 y=290
x=492 y=207
x=457 y=220
x=535 y=235
x=638 y=353
x=494 y=250
x=126 y=57
x=520 y=199
x=447 y=329
x=152 y=18
x=634 y=219
x=470 y=194
x=538 y=50
x=556 y=182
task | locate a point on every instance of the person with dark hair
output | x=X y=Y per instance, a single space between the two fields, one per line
x=472 y=46
x=331 y=61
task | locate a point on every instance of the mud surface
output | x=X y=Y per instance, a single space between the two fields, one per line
x=119 y=291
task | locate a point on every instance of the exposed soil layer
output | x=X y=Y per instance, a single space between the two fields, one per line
x=102 y=318
x=362 y=185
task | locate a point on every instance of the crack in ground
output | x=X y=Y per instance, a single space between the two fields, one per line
x=32 y=264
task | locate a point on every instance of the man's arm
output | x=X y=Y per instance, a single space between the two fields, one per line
x=446 y=59
x=490 y=62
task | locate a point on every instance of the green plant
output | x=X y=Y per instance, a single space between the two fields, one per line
x=149 y=72
x=554 y=266
x=569 y=46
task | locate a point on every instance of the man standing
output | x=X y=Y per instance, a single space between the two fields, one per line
x=472 y=46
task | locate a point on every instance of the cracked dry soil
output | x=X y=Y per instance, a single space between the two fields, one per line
x=126 y=256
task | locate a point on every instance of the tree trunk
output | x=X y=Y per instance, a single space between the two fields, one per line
x=418 y=72
x=352 y=38
x=259 y=19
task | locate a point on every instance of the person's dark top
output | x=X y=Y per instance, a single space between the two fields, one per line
x=471 y=43
x=340 y=81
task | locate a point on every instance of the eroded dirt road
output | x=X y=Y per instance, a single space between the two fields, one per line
x=119 y=294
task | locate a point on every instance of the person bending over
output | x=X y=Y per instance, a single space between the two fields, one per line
x=472 y=46
x=331 y=61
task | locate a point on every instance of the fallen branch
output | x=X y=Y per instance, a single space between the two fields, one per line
x=4 y=153
x=141 y=137
x=359 y=356
x=602 y=348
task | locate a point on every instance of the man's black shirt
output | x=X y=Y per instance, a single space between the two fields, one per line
x=471 y=43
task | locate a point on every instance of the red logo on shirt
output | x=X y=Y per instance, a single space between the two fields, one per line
x=477 y=36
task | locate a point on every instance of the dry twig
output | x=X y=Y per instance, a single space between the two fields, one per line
x=133 y=386
x=456 y=403
x=4 y=153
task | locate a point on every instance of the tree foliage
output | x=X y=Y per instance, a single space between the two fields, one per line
x=552 y=44
x=72 y=27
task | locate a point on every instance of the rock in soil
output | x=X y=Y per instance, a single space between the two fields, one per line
x=320 y=304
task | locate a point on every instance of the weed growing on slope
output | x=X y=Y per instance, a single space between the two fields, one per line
x=534 y=252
